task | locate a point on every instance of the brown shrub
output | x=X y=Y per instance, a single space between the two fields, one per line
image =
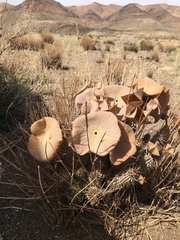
x=146 y=45
x=107 y=48
x=115 y=70
x=30 y=41
x=110 y=42
x=160 y=47
x=47 y=37
x=168 y=48
x=100 y=60
x=150 y=74
x=35 y=43
x=88 y=43
x=155 y=56
x=131 y=47
x=52 y=56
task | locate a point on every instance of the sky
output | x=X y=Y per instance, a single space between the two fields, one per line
x=104 y=2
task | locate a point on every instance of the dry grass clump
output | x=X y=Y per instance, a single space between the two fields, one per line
x=146 y=45
x=131 y=47
x=107 y=48
x=52 y=57
x=87 y=43
x=100 y=60
x=160 y=46
x=168 y=48
x=155 y=56
x=47 y=37
x=115 y=70
x=110 y=42
x=29 y=41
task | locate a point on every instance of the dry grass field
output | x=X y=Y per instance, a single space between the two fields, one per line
x=71 y=197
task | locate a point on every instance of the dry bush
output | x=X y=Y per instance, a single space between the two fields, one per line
x=150 y=74
x=155 y=56
x=160 y=46
x=131 y=47
x=110 y=42
x=107 y=48
x=168 y=48
x=18 y=43
x=146 y=45
x=88 y=43
x=29 y=41
x=52 y=57
x=47 y=37
x=100 y=60
x=115 y=70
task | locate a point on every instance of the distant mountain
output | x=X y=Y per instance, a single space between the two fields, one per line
x=45 y=6
x=129 y=11
x=91 y=15
x=5 y=6
x=52 y=15
x=102 y=10
x=173 y=10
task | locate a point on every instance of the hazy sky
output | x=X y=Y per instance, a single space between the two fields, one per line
x=104 y=2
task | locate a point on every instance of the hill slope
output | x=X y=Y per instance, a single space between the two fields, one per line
x=45 y=6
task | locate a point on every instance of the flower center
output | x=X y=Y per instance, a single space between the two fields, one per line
x=95 y=133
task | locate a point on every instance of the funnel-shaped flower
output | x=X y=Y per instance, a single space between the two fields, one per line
x=150 y=87
x=90 y=106
x=154 y=148
x=85 y=96
x=97 y=132
x=158 y=105
x=126 y=146
x=114 y=94
x=45 y=139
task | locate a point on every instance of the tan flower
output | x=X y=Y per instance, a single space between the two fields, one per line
x=90 y=106
x=85 y=96
x=114 y=94
x=154 y=148
x=45 y=139
x=158 y=106
x=98 y=133
x=126 y=146
x=150 y=87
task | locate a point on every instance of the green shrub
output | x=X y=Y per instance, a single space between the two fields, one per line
x=12 y=98
x=52 y=56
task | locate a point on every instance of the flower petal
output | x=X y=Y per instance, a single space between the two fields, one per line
x=99 y=134
x=126 y=146
x=150 y=87
x=45 y=139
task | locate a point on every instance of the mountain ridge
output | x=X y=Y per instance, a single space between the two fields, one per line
x=96 y=15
